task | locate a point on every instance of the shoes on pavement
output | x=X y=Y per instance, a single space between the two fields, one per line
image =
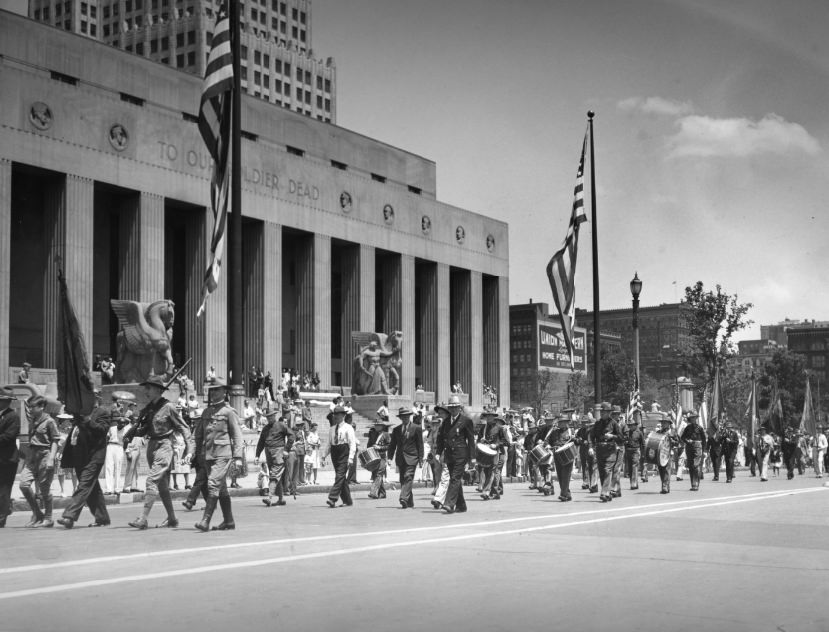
x=188 y=487
x=728 y=480
x=374 y=497
x=280 y=503
x=33 y=522
x=46 y=523
x=95 y=524
x=224 y=526
x=448 y=509
x=170 y=523
x=593 y=490
x=404 y=504
x=188 y=505
x=436 y=504
x=139 y=523
x=664 y=491
x=66 y=522
x=267 y=502
x=331 y=503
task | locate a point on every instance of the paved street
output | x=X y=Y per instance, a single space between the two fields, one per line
x=742 y=556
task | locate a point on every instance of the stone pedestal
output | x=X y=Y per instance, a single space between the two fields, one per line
x=367 y=405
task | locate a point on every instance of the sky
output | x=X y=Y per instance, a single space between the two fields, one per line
x=711 y=133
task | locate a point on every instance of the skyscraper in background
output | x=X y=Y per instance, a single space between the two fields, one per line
x=278 y=62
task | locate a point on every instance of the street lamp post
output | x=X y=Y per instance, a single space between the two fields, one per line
x=635 y=289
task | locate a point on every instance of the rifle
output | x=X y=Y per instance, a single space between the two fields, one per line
x=147 y=413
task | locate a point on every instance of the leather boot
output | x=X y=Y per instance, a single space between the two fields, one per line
x=209 y=508
x=227 y=523
x=29 y=495
x=167 y=501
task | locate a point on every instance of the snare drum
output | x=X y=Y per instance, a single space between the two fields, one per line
x=369 y=458
x=540 y=455
x=566 y=454
x=658 y=449
x=485 y=455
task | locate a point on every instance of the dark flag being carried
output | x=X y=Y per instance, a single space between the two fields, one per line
x=214 y=126
x=75 y=387
x=561 y=270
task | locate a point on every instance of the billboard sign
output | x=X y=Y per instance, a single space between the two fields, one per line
x=552 y=350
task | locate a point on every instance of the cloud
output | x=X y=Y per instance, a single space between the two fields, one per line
x=704 y=136
x=655 y=105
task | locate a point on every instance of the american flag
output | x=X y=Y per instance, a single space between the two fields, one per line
x=214 y=126
x=561 y=270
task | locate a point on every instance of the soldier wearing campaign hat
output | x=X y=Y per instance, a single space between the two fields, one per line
x=605 y=437
x=220 y=447
x=729 y=442
x=406 y=448
x=494 y=435
x=587 y=458
x=274 y=439
x=158 y=420
x=562 y=441
x=694 y=438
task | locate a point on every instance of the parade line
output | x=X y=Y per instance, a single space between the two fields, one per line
x=684 y=506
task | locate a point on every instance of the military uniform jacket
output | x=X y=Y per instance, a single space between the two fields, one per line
x=9 y=429
x=674 y=440
x=603 y=427
x=160 y=419
x=275 y=436
x=729 y=440
x=583 y=437
x=560 y=436
x=406 y=444
x=219 y=436
x=457 y=437
x=635 y=440
x=495 y=434
x=791 y=435
x=694 y=432
x=43 y=432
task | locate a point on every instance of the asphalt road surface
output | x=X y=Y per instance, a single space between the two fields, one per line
x=745 y=556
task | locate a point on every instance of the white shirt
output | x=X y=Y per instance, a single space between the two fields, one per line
x=340 y=434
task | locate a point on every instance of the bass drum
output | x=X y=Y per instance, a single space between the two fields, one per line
x=485 y=455
x=369 y=458
x=658 y=449
x=566 y=454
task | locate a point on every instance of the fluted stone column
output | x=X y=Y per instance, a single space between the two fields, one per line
x=322 y=309
x=272 y=299
x=428 y=318
x=5 y=262
x=348 y=264
x=391 y=283
x=443 y=318
x=253 y=279
x=491 y=332
x=367 y=293
x=69 y=218
x=215 y=316
x=461 y=328
x=503 y=342
x=476 y=350
x=142 y=249
x=407 y=323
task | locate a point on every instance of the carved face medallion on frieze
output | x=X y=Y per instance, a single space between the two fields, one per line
x=388 y=214
x=460 y=234
x=490 y=243
x=345 y=201
x=426 y=224
x=118 y=137
x=40 y=115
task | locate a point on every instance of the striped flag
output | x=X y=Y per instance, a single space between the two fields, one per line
x=214 y=126
x=561 y=270
x=753 y=414
x=807 y=419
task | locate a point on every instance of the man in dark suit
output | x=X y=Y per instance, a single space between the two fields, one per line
x=456 y=441
x=407 y=450
x=9 y=429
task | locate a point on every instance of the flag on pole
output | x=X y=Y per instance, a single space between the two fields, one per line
x=214 y=127
x=717 y=407
x=75 y=387
x=807 y=419
x=753 y=414
x=561 y=270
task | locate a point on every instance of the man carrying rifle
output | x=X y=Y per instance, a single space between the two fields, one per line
x=158 y=420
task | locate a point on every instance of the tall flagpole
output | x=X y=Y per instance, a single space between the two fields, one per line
x=597 y=356
x=234 y=276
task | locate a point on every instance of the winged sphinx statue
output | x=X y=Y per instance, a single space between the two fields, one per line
x=377 y=367
x=144 y=342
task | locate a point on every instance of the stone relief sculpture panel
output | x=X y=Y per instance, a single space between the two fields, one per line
x=144 y=342
x=378 y=365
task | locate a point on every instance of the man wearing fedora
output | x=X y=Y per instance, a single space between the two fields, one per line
x=9 y=455
x=219 y=446
x=274 y=438
x=587 y=458
x=342 y=447
x=406 y=449
x=158 y=420
x=456 y=441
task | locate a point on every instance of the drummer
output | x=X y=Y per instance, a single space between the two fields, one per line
x=544 y=480
x=634 y=449
x=494 y=436
x=665 y=427
x=589 y=471
x=561 y=442
x=381 y=444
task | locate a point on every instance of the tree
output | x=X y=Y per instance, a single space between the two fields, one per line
x=785 y=374
x=713 y=318
x=543 y=390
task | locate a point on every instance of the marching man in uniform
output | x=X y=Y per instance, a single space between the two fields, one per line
x=558 y=438
x=694 y=439
x=730 y=441
x=634 y=449
x=665 y=427
x=220 y=447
